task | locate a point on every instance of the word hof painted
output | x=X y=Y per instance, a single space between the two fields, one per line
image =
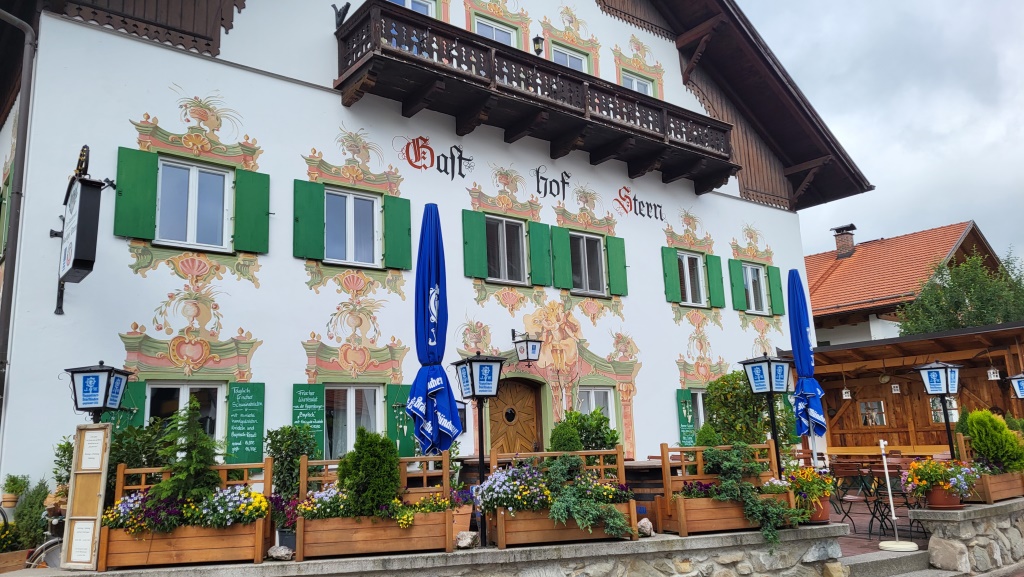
x=551 y=187
x=421 y=156
x=629 y=203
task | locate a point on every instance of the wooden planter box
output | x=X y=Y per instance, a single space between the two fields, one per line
x=351 y=536
x=992 y=488
x=534 y=527
x=183 y=546
x=14 y=561
x=710 y=516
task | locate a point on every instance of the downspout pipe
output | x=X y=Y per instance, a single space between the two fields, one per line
x=15 y=197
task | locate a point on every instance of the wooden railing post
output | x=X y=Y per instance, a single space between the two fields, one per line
x=303 y=475
x=119 y=481
x=445 y=469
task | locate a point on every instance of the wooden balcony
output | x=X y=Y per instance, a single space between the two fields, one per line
x=395 y=53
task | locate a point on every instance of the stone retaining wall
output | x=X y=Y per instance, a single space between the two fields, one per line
x=976 y=539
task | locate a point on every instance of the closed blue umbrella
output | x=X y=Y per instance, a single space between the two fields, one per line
x=808 y=393
x=431 y=402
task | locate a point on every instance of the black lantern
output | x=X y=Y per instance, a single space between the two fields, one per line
x=527 y=349
x=98 y=388
x=942 y=379
x=478 y=377
x=538 y=44
x=769 y=375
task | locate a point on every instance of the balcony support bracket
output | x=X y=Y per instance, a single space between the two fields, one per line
x=475 y=116
x=712 y=181
x=638 y=168
x=422 y=98
x=572 y=140
x=614 y=149
x=525 y=126
x=686 y=171
x=356 y=87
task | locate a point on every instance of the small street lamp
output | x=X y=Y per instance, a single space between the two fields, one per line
x=1017 y=384
x=769 y=375
x=98 y=388
x=538 y=44
x=478 y=376
x=527 y=349
x=942 y=379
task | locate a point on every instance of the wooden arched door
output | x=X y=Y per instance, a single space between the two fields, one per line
x=515 y=418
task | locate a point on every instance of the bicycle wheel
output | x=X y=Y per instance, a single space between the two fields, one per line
x=3 y=516
x=46 y=555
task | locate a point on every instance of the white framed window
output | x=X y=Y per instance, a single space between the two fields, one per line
x=506 y=250
x=421 y=6
x=754 y=284
x=352 y=228
x=163 y=399
x=872 y=413
x=692 y=285
x=637 y=83
x=491 y=29
x=348 y=407
x=587 y=254
x=193 y=207
x=602 y=398
x=568 y=58
x=952 y=407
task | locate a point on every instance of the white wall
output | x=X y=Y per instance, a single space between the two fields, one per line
x=883 y=329
x=289 y=119
x=872 y=330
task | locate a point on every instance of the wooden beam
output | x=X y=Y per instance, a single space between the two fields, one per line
x=572 y=139
x=421 y=98
x=691 y=65
x=695 y=34
x=355 y=88
x=685 y=171
x=901 y=361
x=712 y=181
x=614 y=149
x=806 y=183
x=984 y=340
x=525 y=126
x=475 y=115
x=822 y=161
x=638 y=168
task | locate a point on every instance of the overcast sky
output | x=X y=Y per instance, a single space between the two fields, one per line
x=927 y=97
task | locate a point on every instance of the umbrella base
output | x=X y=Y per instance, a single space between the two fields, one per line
x=898 y=546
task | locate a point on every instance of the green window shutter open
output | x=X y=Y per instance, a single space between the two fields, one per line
x=135 y=203
x=474 y=244
x=617 y=282
x=397 y=233
x=739 y=293
x=716 y=288
x=561 y=258
x=308 y=232
x=670 y=272
x=134 y=400
x=775 y=295
x=252 y=212
x=540 y=254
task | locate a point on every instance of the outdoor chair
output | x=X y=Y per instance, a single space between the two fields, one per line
x=901 y=500
x=851 y=488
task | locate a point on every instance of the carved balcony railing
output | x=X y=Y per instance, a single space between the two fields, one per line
x=396 y=53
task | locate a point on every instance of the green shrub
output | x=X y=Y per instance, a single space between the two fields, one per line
x=707 y=436
x=15 y=484
x=595 y=430
x=63 y=452
x=373 y=479
x=286 y=445
x=993 y=443
x=29 y=520
x=740 y=416
x=565 y=437
x=189 y=452
x=136 y=447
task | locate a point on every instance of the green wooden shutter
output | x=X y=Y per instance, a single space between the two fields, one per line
x=561 y=258
x=252 y=212
x=400 y=425
x=540 y=254
x=739 y=293
x=616 y=249
x=670 y=272
x=775 y=295
x=134 y=399
x=308 y=409
x=397 y=233
x=135 y=203
x=474 y=244
x=716 y=287
x=308 y=232
x=245 y=423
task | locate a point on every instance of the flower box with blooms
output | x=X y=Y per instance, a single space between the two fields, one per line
x=812 y=489
x=994 y=484
x=420 y=519
x=952 y=477
x=554 y=497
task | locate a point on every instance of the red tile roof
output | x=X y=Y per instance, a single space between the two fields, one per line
x=880 y=272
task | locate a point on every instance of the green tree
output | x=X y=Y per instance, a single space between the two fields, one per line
x=969 y=294
x=740 y=416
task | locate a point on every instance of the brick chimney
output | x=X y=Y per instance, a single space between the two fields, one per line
x=844 y=240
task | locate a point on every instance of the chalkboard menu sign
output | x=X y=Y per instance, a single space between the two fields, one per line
x=308 y=409
x=245 y=423
x=684 y=404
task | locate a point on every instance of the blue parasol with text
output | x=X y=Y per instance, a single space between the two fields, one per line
x=807 y=396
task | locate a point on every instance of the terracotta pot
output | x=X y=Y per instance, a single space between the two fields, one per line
x=462 y=517
x=8 y=500
x=939 y=498
x=820 y=512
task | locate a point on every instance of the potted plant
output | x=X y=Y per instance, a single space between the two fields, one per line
x=942 y=483
x=986 y=440
x=286 y=445
x=462 y=508
x=14 y=486
x=812 y=489
x=62 y=455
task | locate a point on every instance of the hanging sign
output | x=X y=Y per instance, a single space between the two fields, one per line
x=684 y=404
x=81 y=223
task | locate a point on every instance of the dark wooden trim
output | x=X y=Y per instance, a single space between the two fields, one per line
x=612 y=150
x=572 y=140
x=821 y=161
x=806 y=183
x=685 y=171
x=698 y=32
x=526 y=125
x=709 y=183
x=475 y=116
x=422 y=98
x=692 y=64
x=355 y=88
x=638 y=168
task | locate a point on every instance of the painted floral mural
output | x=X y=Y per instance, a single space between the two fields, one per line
x=572 y=35
x=637 y=64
